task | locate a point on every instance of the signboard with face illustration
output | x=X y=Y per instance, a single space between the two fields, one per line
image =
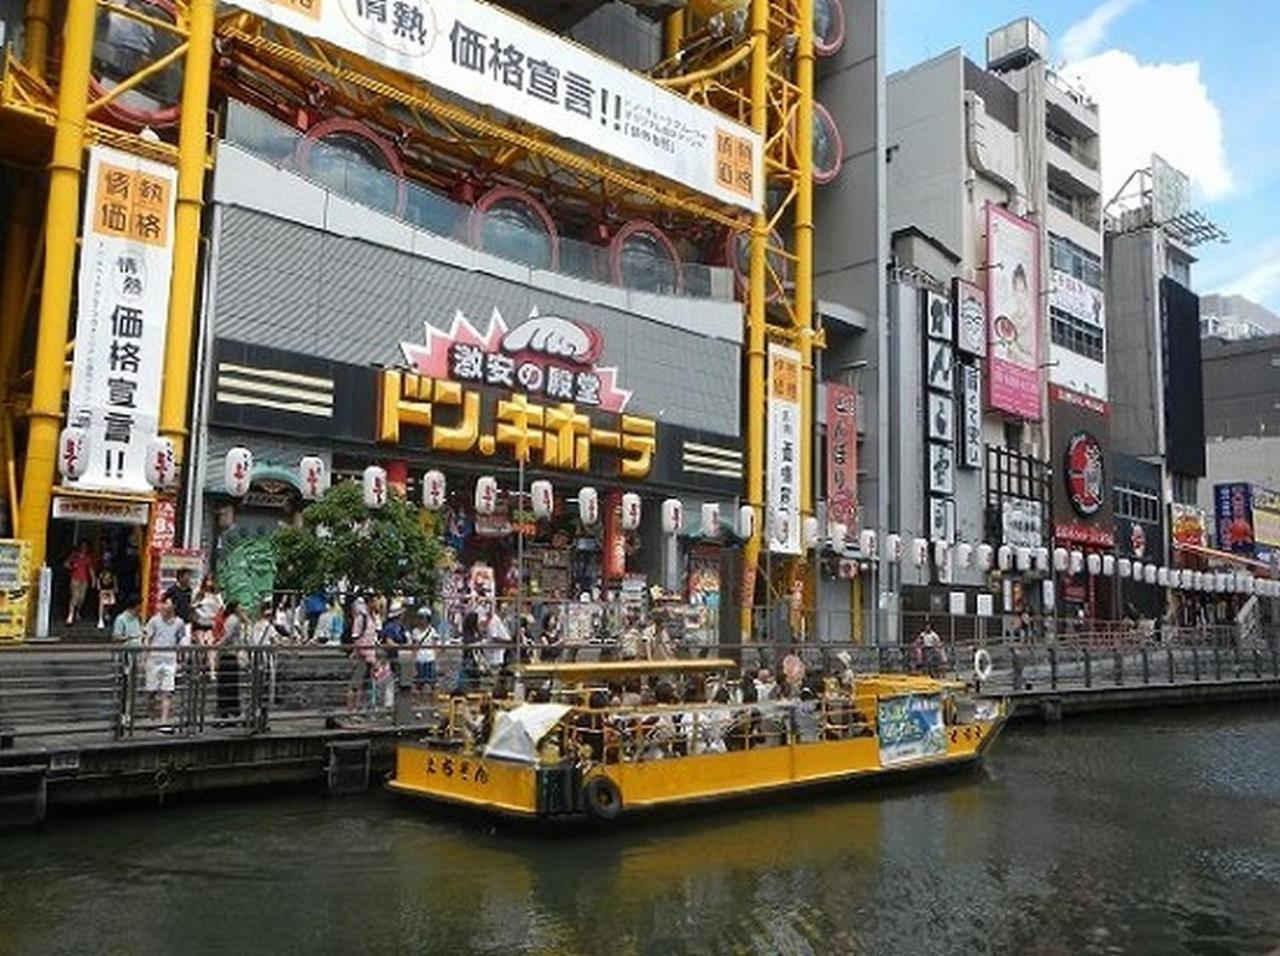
x=1013 y=299
x=971 y=318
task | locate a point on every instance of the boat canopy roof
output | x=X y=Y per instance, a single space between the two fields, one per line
x=577 y=672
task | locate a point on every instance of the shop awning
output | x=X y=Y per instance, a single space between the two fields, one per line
x=1227 y=556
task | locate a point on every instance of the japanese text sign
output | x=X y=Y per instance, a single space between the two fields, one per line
x=842 y=453
x=123 y=303
x=497 y=59
x=784 y=450
x=1013 y=299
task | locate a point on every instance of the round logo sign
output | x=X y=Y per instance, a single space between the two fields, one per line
x=1086 y=483
x=1137 y=539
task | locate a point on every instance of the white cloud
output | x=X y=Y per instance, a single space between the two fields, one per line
x=1253 y=273
x=1154 y=107
x=1085 y=36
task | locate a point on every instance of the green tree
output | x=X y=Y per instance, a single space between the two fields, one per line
x=380 y=550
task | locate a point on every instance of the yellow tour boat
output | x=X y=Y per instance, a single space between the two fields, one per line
x=585 y=744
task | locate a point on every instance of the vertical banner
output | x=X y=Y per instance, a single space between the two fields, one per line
x=842 y=453
x=614 y=552
x=784 y=450
x=126 y=258
x=971 y=318
x=971 y=417
x=1013 y=300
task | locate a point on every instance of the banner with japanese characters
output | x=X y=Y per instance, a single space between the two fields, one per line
x=842 y=454
x=783 y=478
x=126 y=258
x=494 y=58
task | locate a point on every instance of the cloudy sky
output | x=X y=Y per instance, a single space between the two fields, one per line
x=1194 y=80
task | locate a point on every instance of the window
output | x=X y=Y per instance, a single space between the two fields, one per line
x=1184 y=489
x=1062 y=200
x=1083 y=338
x=1067 y=257
x=1136 y=502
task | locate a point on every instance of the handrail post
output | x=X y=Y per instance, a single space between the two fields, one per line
x=1217 y=664
x=1053 y=667
x=1146 y=665
x=1015 y=668
x=1195 y=664
x=1088 y=668
x=1118 y=657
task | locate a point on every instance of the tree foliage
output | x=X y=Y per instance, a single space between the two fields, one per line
x=378 y=550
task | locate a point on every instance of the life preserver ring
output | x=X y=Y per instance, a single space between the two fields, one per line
x=981 y=663
x=602 y=798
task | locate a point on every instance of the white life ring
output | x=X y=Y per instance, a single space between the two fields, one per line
x=981 y=663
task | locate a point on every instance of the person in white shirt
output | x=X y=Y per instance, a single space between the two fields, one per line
x=425 y=639
x=164 y=634
x=496 y=635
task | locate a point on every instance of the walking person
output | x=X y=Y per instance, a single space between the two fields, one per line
x=262 y=637
x=230 y=645
x=364 y=641
x=82 y=572
x=425 y=638
x=206 y=606
x=180 y=595
x=106 y=591
x=164 y=633
x=126 y=631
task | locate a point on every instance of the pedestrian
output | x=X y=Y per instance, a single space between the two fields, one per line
x=83 y=572
x=499 y=637
x=179 y=593
x=230 y=646
x=106 y=591
x=127 y=633
x=474 y=664
x=552 y=636
x=364 y=640
x=206 y=606
x=162 y=637
x=931 y=644
x=425 y=640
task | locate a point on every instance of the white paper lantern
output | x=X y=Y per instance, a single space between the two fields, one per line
x=238 y=469
x=809 y=537
x=710 y=519
x=984 y=556
x=1041 y=556
x=919 y=552
x=1108 y=564
x=434 y=490
x=1123 y=567
x=1162 y=576
x=630 y=511
x=1149 y=573
x=588 y=507
x=1022 y=556
x=867 y=543
x=73 y=445
x=161 y=468
x=1076 y=563
x=1061 y=558
x=672 y=516
x=838 y=531
x=1197 y=581
x=542 y=498
x=746 y=522
x=373 y=483
x=1250 y=585
x=1094 y=563
x=486 y=498
x=893 y=547
x=1004 y=557
x=940 y=550
x=313 y=477
x=964 y=555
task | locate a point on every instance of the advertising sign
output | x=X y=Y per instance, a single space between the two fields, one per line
x=1189 y=525
x=971 y=318
x=784 y=450
x=937 y=317
x=1013 y=302
x=491 y=57
x=1021 y=523
x=1076 y=298
x=1266 y=524
x=910 y=728
x=1081 y=427
x=970 y=417
x=126 y=258
x=842 y=453
x=1233 y=516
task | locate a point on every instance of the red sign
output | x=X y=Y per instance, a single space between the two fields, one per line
x=1086 y=481
x=164 y=524
x=842 y=453
x=615 y=539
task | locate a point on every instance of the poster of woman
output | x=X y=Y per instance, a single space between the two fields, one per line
x=1013 y=296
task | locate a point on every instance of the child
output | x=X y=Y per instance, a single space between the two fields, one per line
x=425 y=639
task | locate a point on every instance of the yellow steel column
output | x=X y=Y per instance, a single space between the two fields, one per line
x=672 y=34
x=755 y=411
x=803 y=293
x=186 y=229
x=61 y=221
x=13 y=279
x=35 y=32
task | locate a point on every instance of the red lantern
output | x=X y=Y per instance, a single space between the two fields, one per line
x=238 y=471
x=71 y=452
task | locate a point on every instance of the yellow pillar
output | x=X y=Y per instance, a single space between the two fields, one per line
x=61 y=221
x=802 y=300
x=755 y=412
x=13 y=279
x=672 y=34
x=186 y=229
x=35 y=32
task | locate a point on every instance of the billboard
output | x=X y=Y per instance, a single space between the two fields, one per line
x=495 y=58
x=784 y=450
x=1248 y=520
x=1081 y=433
x=971 y=317
x=1013 y=306
x=842 y=453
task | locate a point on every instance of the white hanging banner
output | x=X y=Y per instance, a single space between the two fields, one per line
x=126 y=259
x=784 y=450
x=495 y=58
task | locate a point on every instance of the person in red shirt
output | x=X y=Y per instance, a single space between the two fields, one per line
x=83 y=571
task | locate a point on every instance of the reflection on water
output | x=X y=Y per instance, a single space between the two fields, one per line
x=1147 y=835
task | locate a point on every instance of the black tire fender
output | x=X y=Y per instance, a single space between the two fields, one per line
x=602 y=798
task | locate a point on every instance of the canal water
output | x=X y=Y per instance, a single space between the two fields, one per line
x=1152 y=834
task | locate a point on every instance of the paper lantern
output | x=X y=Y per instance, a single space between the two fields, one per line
x=710 y=519
x=1094 y=563
x=893 y=546
x=313 y=477
x=1149 y=573
x=434 y=490
x=964 y=555
x=1061 y=559
x=160 y=467
x=542 y=498
x=486 y=496
x=1249 y=584
x=983 y=556
x=1004 y=557
x=73 y=445
x=1162 y=576
x=672 y=516
x=1076 y=563
x=867 y=543
x=746 y=522
x=1041 y=558
x=588 y=507
x=1108 y=564
x=1123 y=567
x=940 y=550
x=238 y=469
x=630 y=511
x=1022 y=558
x=809 y=535
x=373 y=484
